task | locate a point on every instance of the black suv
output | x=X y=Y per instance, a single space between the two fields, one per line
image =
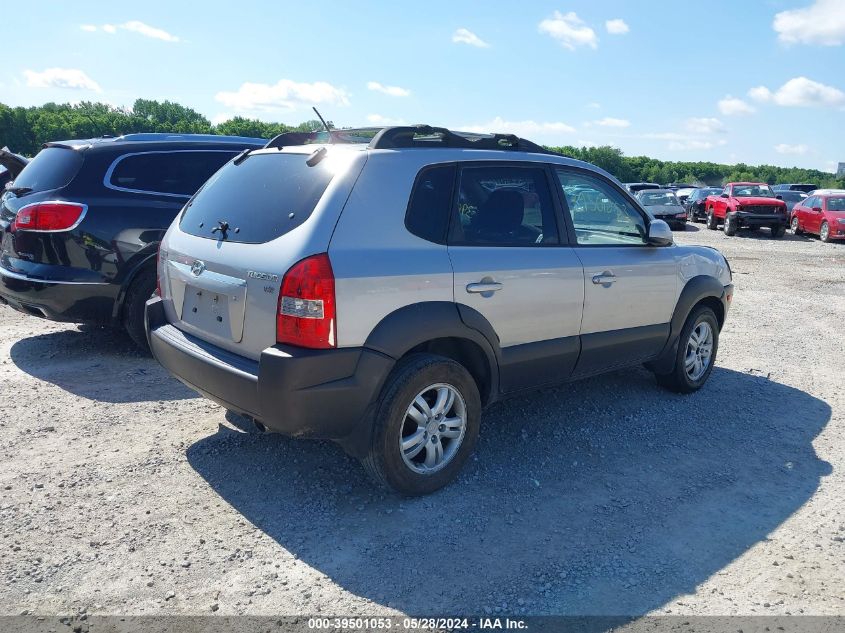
x=81 y=224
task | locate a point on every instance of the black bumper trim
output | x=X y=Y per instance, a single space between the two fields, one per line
x=295 y=391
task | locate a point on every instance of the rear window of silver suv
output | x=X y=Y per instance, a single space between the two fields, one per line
x=260 y=198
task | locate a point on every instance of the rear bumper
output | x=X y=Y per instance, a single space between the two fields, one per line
x=73 y=302
x=291 y=390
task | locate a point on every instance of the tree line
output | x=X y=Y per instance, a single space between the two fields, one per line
x=25 y=130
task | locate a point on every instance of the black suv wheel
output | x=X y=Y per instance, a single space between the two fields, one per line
x=141 y=289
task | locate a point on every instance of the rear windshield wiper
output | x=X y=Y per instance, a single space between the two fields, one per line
x=19 y=191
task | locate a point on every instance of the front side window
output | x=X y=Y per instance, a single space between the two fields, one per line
x=179 y=173
x=600 y=214
x=504 y=206
x=431 y=200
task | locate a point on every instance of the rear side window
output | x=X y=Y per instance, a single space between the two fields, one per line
x=261 y=198
x=52 y=168
x=431 y=201
x=178 y=173
x=504 y=206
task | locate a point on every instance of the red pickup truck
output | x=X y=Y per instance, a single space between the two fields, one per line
x=747 y=205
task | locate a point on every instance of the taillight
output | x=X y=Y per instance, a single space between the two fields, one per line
x=48 y=216
x=306 y=311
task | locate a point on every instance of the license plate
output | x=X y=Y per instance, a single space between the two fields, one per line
x=207 y=310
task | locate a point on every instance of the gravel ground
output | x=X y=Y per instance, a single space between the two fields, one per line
x=122 y=493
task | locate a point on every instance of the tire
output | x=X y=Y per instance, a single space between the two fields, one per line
x=712 y=222
x=140 y=290
x=824 y=232
x=681 y=379
x=796 y=227
x=422 y=376
x=778 y=230
x=730 y=225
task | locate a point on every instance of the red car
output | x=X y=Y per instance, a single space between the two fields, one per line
x=747 y=205
x=823 y=215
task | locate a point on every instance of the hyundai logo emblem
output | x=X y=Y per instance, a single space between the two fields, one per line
x=197 y=267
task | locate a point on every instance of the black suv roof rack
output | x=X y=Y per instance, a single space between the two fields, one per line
x=427 y=136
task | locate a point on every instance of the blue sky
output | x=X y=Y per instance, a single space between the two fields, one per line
x=753 y=81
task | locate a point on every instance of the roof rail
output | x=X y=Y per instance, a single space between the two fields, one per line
x=347 y=136
x=165 y=136
x=427 y=136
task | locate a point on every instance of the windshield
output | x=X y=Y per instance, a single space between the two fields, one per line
x=836 y=204
x=261 y=198
x=753 y=191
x=663 y=199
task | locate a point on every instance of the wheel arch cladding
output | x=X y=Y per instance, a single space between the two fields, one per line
x=700 y=290
x=437 y=327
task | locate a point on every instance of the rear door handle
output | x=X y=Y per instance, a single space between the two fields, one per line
x=484 y=286
x=604 y=279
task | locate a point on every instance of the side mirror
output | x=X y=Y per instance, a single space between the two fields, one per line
x=723 y=195
x=817 y=209
x=659 y=234
x=779 y=197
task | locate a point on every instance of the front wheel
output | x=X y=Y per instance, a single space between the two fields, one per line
x=426 y=425
x=796 y=228
x=712 y=223
x=696 y=355
x=778 y=230
x=731 y=225
x=824 y=232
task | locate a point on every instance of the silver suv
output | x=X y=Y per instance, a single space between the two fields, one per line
x=382 y=292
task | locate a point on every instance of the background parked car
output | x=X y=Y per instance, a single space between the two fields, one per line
x=695 y=204
x=805 y=187
x=747 y=205
x=791 y=198
x=664 y=205
x=683 y=193
x=821 y=215
x=634 y=187
x=81 y=225
x=11 y=165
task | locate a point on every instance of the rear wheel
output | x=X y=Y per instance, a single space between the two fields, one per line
x=696 y=353
x=731 y=225
x=712 y=223
x=426 y=425
x=796 y=228
x=140 y=290
x=824 y=232
x=778 y=230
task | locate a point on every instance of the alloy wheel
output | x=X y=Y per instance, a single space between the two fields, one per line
x=699 y=351
x=433 y=429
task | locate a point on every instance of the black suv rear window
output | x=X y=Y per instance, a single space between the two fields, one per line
x=175 y=173
x=262 y=198
x=52 y=168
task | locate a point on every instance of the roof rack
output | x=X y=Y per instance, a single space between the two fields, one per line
x=165 y=136
x=347 y=136
x=427 y=136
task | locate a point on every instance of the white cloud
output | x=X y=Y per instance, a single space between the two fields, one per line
x=217 y=119
x=617 y=27
x=594 y=105
x=71 y=78
x=695 y=144
x=705 y=125
x=731 y=106
x=611 y=122
x=134 y=26
x=393 y=91
x=283 y=95
x=800 y=92
x=821 y=24
x=783 y=148
x=465 y=36
x=377 y=119
x=540 y=132
x=570 y=30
